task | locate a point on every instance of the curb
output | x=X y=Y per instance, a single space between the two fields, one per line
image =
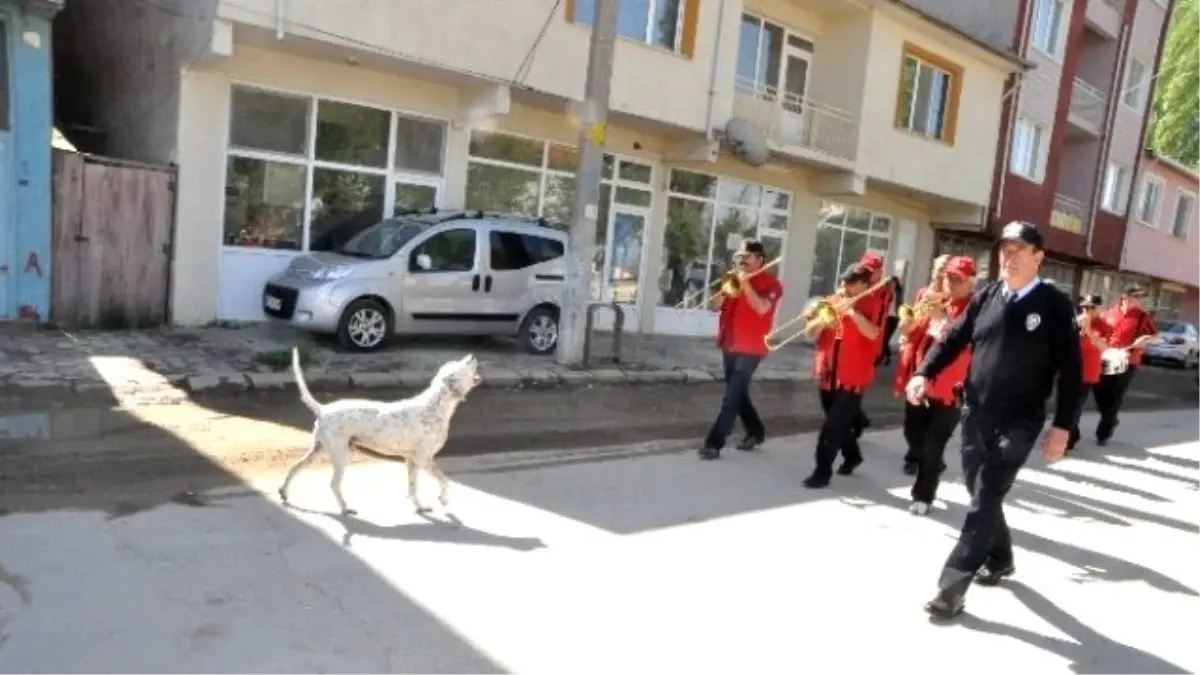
x=180 y=388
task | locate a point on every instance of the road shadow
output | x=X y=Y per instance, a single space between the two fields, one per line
x=1088 y=650
x=447 y=530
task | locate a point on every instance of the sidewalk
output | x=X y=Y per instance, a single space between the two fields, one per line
x=127 y=368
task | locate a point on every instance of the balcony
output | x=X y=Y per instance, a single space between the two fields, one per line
x=1086 y=112
x=1068 y=214
x=800 y=128
x=1104 y=17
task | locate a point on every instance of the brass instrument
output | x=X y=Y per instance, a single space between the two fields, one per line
x=923 y=308
x=820 y=313
x=727 y=285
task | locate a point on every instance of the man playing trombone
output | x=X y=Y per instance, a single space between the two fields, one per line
x=1132 y=329
x=747 y=302
x=844 y=366
x=1093 y=340
x=912 y=333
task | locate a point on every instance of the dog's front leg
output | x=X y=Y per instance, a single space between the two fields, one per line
x=413 y=471
x=443 y=482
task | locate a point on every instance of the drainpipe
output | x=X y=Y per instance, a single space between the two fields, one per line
x=1114 y=99
x=279 y=20
x=1019 y=80
x=712 y=78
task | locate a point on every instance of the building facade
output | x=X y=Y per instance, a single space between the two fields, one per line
x=26 y=127
x=288 y=120
x=1073 y=128
x=1162 y=242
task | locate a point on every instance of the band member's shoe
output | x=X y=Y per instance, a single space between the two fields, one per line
x=847 y=468
x=816 y=481
x=750 y=442
x=919 y=508
x=709 y=454
x=945 y=605
x=992 y=577
x=910 y=468
x=1102 y=442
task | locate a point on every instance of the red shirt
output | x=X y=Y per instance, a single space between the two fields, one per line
x=1128 y=327
x=848 y=362
x=1090 y=352
x=944 y=388
x=741 y=330
x=908 y=350
x=877 y=312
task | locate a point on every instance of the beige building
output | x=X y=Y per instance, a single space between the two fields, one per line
x=292 y=117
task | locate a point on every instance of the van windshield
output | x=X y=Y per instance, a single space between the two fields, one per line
x=382 y=239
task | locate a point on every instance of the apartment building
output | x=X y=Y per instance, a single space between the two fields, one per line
x=289 y=119
x=1073 y=127
x=1161 y=246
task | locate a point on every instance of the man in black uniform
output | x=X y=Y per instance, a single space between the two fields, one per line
x=1022 y=333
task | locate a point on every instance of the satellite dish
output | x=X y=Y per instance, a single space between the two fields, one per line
x=746 y=141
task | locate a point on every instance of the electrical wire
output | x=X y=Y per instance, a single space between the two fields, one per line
x=527 y=62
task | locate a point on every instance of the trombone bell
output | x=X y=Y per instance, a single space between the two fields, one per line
x=906 y=313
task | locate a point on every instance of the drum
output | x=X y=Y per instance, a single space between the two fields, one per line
x=1114 y=361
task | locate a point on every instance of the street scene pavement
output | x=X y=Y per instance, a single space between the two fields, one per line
x=631 y=558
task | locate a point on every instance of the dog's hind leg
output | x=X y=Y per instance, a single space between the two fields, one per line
x=443 y=482
x=295 y=469
x=339 y=456
x=413 y=472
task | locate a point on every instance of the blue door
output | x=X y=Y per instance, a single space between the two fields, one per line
x=7 y=172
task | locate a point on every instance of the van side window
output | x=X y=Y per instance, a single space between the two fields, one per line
x=449 y=251
x=512 y=251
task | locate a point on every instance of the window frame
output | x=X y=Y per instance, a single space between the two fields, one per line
x=825 y=221
x=1149 y=179
x=499 y=231
x=955 y=72
x=1122 y=189
x=1037 y=168
x=453 y=226
x=1142 y=89
x=1057 y=34
x=1180 y=196
x=685 y=27
x=6 y=79
x=390 y=173
x=757 y=85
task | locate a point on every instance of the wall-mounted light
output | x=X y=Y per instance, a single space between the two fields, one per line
x=32 y=38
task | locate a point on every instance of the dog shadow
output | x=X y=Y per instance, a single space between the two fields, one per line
x=448 y=530
x=1088 y=650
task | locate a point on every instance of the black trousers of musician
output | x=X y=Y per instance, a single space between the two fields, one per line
x=916 y=422
x=939 y=421
x=736 y=404
x=1110 y=393
x=1093 y=390
x=994 y=448
x=837 y=435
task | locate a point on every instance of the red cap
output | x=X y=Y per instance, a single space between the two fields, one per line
x=872 y=261
x=961 y=266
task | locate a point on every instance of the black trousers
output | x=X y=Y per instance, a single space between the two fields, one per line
x=837 y=433
x=1110 y=393
x=1083 y=397
x=914 y=423
x=939 y=422
x=736 y=404
x=994 y=448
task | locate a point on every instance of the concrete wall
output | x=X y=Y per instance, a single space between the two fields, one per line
x=1126 y=140
x=1150 y=247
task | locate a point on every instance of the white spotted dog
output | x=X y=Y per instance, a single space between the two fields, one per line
x=413 y=430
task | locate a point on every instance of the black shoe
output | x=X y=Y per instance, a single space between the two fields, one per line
x=944 y=606
x=1101 y=441
x=750 y=442
x=816 y=481
x=910 y=468
x=709 y=454
x=993 y=577
x=847 y=468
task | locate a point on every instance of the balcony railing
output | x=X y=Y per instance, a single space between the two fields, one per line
x=794 y=122
x=1068 y=214
x=1087 y=103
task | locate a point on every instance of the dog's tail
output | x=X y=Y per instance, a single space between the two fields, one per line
x=305 y=394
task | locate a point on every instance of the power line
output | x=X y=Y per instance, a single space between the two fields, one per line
x=527 y=62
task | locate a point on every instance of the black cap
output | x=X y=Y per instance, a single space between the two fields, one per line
x=1090 y=301
x=856 y=273
x=1022 y=231
x=751 y=246
x=1134 y=291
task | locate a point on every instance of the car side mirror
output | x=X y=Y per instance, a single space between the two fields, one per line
x=424 y=261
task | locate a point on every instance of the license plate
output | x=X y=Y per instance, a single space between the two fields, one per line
x=272 y=303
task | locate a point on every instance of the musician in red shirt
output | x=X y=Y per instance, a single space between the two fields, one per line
x=743 y=325
x=844 y=367
x=875 y=307
x=911 y=334
x=942 y=400
x=1132 y=329
x=1094 y=334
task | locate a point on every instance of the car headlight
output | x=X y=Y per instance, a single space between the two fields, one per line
x=331 y=273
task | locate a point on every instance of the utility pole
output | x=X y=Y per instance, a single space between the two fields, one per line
x=577 y=291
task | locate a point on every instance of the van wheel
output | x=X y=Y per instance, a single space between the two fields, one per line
x=365 y=326
x=539 y=330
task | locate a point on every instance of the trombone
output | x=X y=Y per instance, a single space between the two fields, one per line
x=727 y=284
x=819 y=313
x=922 y=308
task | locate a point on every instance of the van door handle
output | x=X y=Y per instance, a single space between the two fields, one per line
x=475 y=283
x=487 y=284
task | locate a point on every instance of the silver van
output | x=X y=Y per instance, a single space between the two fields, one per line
x=434 y=273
